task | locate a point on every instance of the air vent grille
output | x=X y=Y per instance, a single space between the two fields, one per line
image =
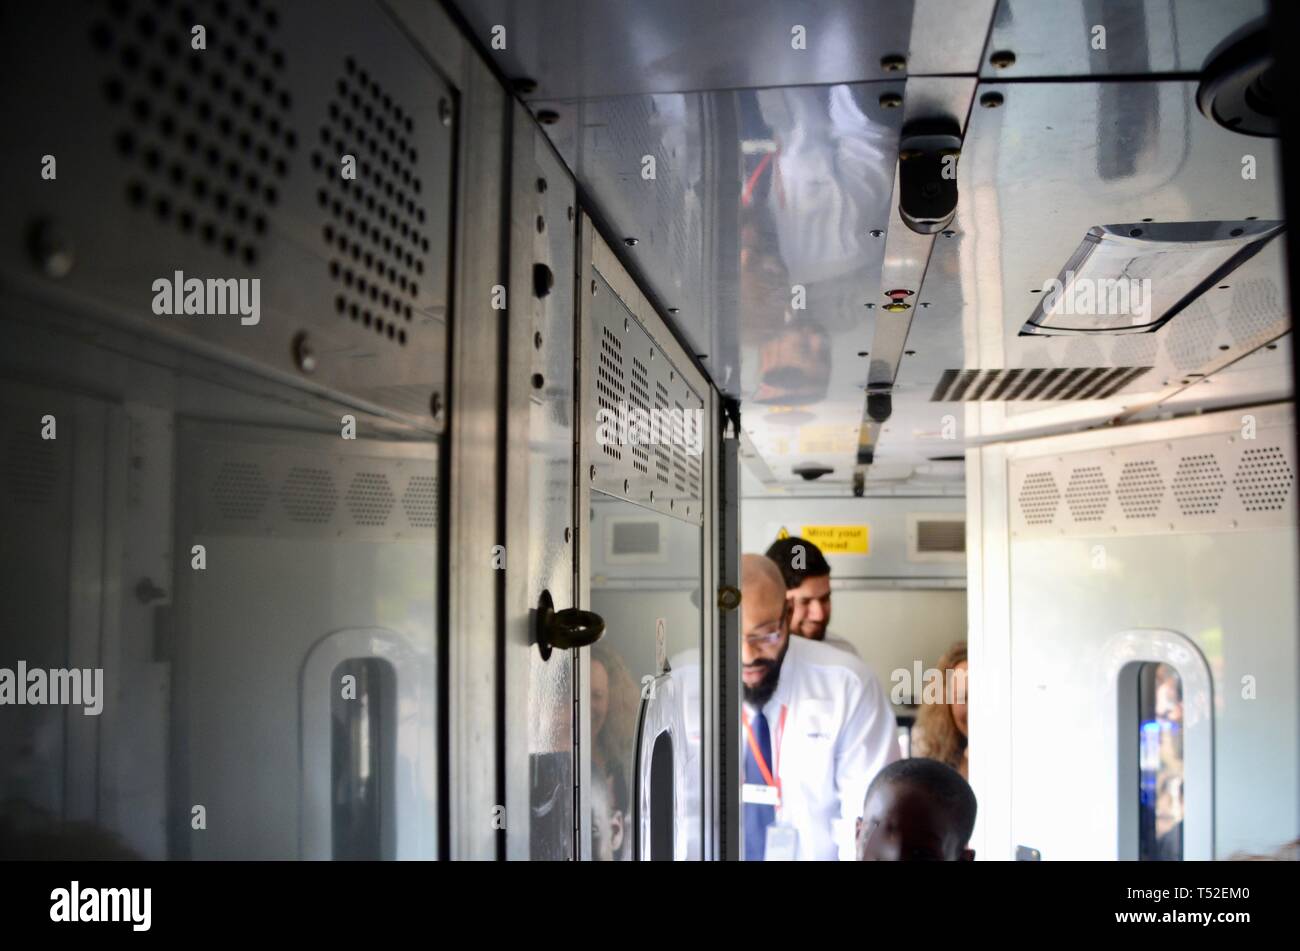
x=1039 y=498
x=1034 y=383
x=1198 y=484
x=1087 y=494
x=206 y=132
x=611 y=388
x=1263 y=480
x=370 y=498
x=1140 y=489
x=240 y=490
x=420 y=501
x=934 y=536
x=308 y=495
x=31 y=466
x=376 y=224
x=1224 y=481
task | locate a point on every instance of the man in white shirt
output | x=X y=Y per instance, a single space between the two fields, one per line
x=817 y=728
x=807 y=577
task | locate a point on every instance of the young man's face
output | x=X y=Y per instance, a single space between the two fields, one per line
x=902 y=824
x=810 y=607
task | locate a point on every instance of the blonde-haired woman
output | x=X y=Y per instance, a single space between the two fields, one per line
x=940 y=731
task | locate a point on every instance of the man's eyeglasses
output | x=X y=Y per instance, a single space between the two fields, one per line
x=772 y=634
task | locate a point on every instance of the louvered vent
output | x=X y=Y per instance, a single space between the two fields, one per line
x=1034 y=383
x=1263 y=479
x=611 y=389
x=1087 y=494
x=1140 y=489
x=31 y=465
x=940 y=536
x=375 y=222
x=639 y=398
x=205 y=132
x=1198 y=484
x=663 y=457
x=1039 y=498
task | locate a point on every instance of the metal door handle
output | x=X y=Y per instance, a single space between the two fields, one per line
x=565 y=629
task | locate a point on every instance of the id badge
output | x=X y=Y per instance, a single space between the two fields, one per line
x=782 y=844
x=759 y=794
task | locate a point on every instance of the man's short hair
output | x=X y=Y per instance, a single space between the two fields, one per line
x=787 y=551
x=943 y=783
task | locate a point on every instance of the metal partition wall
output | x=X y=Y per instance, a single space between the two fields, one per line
x=538 y=555
x=647 y=563
x=1169 y=543
x=231 y=548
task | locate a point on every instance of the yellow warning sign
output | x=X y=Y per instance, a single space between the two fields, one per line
x=838 y=539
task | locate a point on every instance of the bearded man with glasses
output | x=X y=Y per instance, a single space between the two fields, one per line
x=816 y=730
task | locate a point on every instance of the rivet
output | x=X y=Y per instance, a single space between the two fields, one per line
x=548 y=117
x=435 y=405
x=1003 y=58
x=444 y=111
x=991 y=100
x=592 y=473
x=893 y=63
x=876 y=232
x=890 y=100
x=630 y=242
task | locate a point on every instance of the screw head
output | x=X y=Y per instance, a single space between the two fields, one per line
x=592 y=473
x=893 y=63
x=1003 y=58
x=890 y=100
x=51 y=248
x=524 y=85
x=304 y=354
x=548 y=116
x=991 y=100
x=876 y=233
x=444 y=111
x=435 y=404
x=630 y=242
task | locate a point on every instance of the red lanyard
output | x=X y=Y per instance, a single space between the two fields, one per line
x=758 y=754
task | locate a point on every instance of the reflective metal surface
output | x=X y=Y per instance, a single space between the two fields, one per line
x=760 y=219
x=538 y=555
x=575 y=50
x=1111 y=37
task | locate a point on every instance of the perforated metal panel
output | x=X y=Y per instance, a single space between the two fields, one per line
x=1222 y=482
x=633 y=375
x=226 y=163
x=364 y=491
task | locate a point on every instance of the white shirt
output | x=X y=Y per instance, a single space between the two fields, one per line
x=836 y=641
x=839 y=732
